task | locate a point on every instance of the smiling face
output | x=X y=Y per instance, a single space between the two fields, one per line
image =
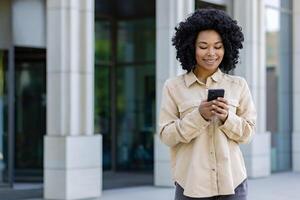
x=209 y=51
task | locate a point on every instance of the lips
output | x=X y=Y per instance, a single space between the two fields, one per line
x=210 y=61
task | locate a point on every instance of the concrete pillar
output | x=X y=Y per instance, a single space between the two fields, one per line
x=250 y=15
x=296 y=87
x=72 y=153
x=168 y=14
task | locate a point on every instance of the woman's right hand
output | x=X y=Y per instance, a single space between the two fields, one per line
x=205 y=109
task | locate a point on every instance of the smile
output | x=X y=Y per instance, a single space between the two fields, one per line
x=210 y=61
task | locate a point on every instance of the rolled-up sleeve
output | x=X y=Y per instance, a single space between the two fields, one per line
x=240 y=126
x=172 y=129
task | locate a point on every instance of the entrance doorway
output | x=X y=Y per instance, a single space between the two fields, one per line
x=125 y=89
x=30 y=113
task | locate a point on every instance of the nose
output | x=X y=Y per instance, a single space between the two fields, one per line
x=211 y=51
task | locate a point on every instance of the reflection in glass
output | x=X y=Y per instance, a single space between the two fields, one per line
x=102 y=42
x=279 y=4
x=287 y=4
x=132 y=71
x=102 y=87
x=135 y=116
x=136 y=40
x=272 y=3
x=3 y=120
x=102 y=112
x=30 y=117
x=279 y=90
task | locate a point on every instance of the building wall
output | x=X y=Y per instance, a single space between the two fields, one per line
x=29 y=23
x=5 y=24
x=31 y=31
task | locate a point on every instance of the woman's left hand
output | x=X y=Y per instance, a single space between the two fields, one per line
x=220 y=108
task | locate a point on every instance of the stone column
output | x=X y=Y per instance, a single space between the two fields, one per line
x=168 y=14
x=250 y=15
x=296 y=87
x=72 y=153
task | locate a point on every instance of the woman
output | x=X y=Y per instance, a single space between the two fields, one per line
x=204 y=136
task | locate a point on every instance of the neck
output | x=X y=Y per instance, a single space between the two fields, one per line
x=202 y=74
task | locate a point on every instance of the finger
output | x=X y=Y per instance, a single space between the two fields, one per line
x=219 y=109
x=208 y=109
x=221 y=116
x=222 y=100
x=221 y=104
x=206 y=103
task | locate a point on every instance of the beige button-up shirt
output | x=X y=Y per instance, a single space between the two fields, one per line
x=206 y=158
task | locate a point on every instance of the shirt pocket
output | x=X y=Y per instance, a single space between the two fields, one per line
x=187 y=107
x=233 y=105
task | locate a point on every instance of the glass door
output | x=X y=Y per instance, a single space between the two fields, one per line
x=135 y=95
x=125 y=89
x=103 y=65
x=3 y=136
x=125 y=92
x=5 y=170
x=30 y=113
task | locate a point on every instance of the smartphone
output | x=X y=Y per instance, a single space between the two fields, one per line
x=215 y=93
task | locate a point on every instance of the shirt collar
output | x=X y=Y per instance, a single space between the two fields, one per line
x=217 y=75
x=191 y=78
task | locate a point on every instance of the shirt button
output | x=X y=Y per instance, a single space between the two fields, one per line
x=214 y=169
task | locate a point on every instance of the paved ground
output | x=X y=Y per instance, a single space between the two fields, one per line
x=281 y=186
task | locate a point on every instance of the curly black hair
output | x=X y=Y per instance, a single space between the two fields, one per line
x=208 y=19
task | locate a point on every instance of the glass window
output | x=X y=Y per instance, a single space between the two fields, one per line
x=3 y=120
x=103 y=61
x=136 y=40
x=105 y=7
x=285 y=4
x=102 y=42
x=279 y=86
x=273 y=3
x=125 y=8
x=135 y=116
x=124 y=75
x=30 y=106
x=102 y=111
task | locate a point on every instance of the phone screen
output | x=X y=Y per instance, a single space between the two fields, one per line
x=214 y=94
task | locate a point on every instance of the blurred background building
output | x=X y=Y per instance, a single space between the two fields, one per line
x=79 y=71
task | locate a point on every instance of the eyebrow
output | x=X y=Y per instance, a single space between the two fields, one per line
x=202 y=42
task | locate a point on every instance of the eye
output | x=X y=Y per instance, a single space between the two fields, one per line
x=219 y=47
x=202 y=47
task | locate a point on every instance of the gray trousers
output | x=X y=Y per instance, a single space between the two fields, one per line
x=240 y=193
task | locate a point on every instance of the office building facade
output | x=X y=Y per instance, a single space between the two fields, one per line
x=81 y=85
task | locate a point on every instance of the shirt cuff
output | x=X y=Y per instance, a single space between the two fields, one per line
x=198 y=120
x=230 y=122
